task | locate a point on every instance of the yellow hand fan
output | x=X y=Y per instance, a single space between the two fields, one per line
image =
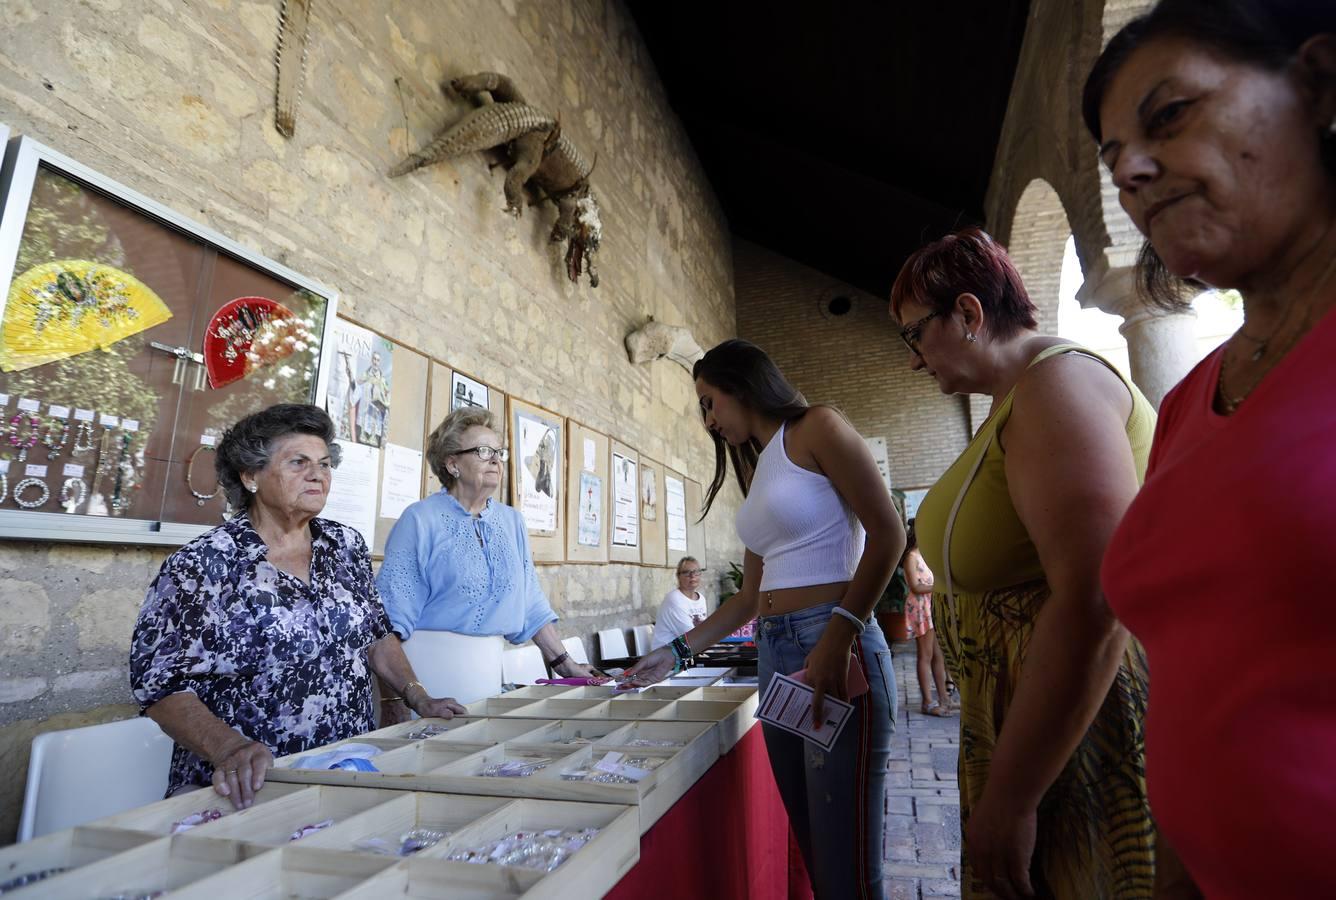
x=63 y=308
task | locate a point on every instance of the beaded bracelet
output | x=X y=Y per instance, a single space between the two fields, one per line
x=50 y=440
x=24 y=485
x=24 y=444
x=200 y=499
x=4 y=486
x=858 y=623
x=73 y=493
x=682 y=654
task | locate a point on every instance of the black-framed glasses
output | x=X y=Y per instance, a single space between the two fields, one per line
x=911 y=333
x=689 y=572
x=486 y=453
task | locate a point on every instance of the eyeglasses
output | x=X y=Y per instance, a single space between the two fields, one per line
x=486 y=453
x=689 y=572
x=911 y=333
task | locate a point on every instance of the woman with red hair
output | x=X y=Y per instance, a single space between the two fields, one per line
x=1053 y=692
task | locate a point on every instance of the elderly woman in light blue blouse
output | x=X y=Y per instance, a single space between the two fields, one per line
x=459 y=561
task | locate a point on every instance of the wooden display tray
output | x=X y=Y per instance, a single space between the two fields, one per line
x=164 y=864
x=590 y=872
x=95 y=841
x=440 y=765
x=290 y=872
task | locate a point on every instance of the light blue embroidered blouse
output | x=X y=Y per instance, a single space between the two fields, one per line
x=438 y=576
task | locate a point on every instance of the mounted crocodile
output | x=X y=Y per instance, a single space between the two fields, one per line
x=540 y=156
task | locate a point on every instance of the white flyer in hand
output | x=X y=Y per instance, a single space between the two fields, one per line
x=787 y=704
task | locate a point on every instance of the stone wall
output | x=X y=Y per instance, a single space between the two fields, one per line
x=174 y=99
x=855 y=361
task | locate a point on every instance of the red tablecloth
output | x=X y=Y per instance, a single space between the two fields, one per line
x=726 y=839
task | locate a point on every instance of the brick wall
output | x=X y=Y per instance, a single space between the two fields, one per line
x=855 y=361
x=174 y=99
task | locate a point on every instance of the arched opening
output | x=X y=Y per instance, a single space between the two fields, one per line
x=1039 y=230
x=1218 y=316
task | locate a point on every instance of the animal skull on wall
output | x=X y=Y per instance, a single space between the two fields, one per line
x=655 y=340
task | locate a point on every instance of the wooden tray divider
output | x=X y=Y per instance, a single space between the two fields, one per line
x=273 y=824
x=542 y=691
x=685 y=732
x=290 y=872
x=165 y=864
x=388 y=821
x=401 y=730
x=499 y=706
x=568 y=735
x=489 y=731
x=438 y=879
x=68 y=849
x=405 y=762
x=157 y=819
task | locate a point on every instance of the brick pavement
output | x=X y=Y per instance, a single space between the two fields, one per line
x=922 y=842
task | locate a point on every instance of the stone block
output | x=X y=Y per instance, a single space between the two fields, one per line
x=25 y=616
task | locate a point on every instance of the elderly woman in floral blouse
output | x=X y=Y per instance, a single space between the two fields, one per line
x=255 y=638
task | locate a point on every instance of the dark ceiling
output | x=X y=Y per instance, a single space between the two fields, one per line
x=841 y=134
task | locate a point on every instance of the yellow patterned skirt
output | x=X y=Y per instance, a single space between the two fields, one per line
x=1095 y=837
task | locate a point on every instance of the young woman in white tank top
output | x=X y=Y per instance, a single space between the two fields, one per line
x=822 y=538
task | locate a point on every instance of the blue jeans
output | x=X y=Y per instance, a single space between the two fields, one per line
x=835 y=800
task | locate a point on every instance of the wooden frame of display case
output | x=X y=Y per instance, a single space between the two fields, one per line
x=24 y=159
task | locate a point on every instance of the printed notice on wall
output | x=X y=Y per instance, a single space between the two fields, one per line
x=676 y=503
x=352 y=496
x=625 y=517
x=878 y=447
x=401 y=483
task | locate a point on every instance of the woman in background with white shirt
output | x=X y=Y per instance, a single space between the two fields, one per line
x=683 y=607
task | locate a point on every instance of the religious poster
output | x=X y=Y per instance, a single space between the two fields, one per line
x=649 y=494
x=359 y=385
x=675 y=504
x=464 y=391
x=538 y=464
x=625 y=517
x=590 y=533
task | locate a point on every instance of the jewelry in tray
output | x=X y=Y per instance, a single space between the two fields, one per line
x=540 y=850
x=410 y=842
x=515 y=768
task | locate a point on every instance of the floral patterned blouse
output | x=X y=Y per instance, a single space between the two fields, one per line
x=282 y=662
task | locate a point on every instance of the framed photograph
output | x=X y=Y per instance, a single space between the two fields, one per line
x=444 y=387
x=130 y=338
x=587 y=494
x=464 y=391
x=537 y=443
x=653 y=533
x=625 y=478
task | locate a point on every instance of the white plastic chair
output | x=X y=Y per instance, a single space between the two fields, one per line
x=642 y=635
x=463 y=666
x=523 y=665
x=576 y=648
x=82 y=774
x=612 y=644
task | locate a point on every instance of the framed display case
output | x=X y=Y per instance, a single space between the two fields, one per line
x=537 y=444
x=653 y=518
x=130 y=338
x=625 y=491
x=587 y=491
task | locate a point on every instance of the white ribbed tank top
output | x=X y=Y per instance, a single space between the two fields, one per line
x=797 y=522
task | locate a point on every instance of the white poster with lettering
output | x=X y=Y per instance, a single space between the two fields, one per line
x=401 y=483
x=676 y=503
x=352 y=495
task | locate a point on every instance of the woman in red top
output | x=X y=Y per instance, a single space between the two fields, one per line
x=1217 y=120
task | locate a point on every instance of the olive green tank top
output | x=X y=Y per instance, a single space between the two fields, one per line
x=990 y=548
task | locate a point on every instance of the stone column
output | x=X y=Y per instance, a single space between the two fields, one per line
x=1161 y=345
